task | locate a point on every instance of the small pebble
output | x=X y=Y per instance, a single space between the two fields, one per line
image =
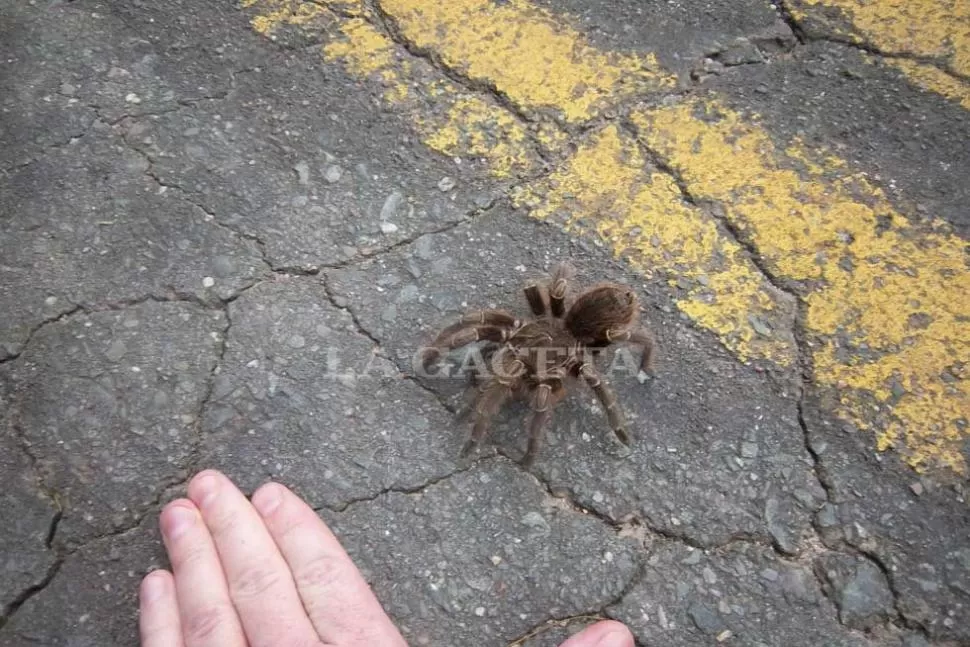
x=446 y=184
x=302 y=172
x=131 y=97
x=388 y=227
x=916 y=487
x=333 y=173
x=208 y=282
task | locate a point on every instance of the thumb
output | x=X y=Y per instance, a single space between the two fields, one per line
x=607 y=633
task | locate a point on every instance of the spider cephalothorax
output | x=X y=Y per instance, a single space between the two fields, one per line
x=541 y=358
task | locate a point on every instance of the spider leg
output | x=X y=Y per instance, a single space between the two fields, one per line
x=538 y=298
x=462 y=336
x=607 y=397
x=499 y=318
x=640 y=336
x=493 y=395
x=545 y=399
x=557 y=288
x=489 y=401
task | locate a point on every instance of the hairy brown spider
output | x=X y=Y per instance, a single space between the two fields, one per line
x=541 y=358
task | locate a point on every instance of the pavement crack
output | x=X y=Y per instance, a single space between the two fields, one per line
x=186 y=196
x=341 y=305
x=787 y=15
x=53 y=146
x=400 y=489
x=556 y=622
x=404 y=242
x=192 y=461
x=803 y=367
x=24 y=596
x=38 y=327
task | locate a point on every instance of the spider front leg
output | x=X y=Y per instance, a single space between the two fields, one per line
x=557 y=288
x=640 y=336
x=462 y=334
x=545 y=399
x=607 y=398
x=538 y=298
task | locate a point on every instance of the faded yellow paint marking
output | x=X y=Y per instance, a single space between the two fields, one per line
x=888 y=303
x=607 y=189
x=527 y=53
x=932 y=28
x=934 y=79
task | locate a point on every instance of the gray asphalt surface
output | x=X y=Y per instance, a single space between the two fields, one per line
x=196 y=271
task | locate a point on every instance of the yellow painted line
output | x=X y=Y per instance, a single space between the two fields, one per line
x=931 y=28
x=886 y=301
x=526 y=53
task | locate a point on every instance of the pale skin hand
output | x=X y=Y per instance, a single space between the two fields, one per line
x=269 y=573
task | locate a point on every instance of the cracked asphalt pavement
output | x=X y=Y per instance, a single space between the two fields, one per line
x=225 y=228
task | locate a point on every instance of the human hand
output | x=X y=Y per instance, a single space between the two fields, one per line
x=269 y=573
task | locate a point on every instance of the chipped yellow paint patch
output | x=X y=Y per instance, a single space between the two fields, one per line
x=934 y=79
x=276 y=13
x=527 y=53
x=607 y=189
x=363 y=48
x=888 y=303
x=473 y=127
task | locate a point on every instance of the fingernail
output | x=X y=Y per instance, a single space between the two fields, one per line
x=176 y=520
x=267 y=499
x=152 y=587
x=204 y=487
x=615 y=638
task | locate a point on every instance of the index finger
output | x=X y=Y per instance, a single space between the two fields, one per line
x=341 y=605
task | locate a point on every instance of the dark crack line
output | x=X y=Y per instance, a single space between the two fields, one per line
x=378 y=17
x=902 y=618
x=53 y=147
x=409 y=240
x=401 y=489
x=37 y=328
x=786 y=14
x=173 y=296
x=192 y=462
x=11 y=609
x=555 y=622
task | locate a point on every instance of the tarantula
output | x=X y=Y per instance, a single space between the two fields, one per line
x=541 y=358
